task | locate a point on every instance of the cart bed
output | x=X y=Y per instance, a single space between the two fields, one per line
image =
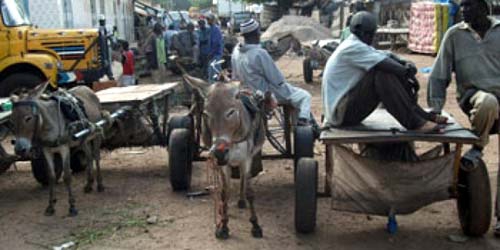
x=377 y=128
x=135 y=95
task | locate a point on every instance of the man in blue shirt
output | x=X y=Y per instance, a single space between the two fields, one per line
x=204 y=43
x=216 y=47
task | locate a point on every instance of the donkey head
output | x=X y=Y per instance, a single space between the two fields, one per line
x=223 y=114
x=26 y=118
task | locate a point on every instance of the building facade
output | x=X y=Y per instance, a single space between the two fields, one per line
x=83 y=14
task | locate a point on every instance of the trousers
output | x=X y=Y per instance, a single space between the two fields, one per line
x=379 y=87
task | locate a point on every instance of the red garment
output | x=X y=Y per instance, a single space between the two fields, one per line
x=128 y=64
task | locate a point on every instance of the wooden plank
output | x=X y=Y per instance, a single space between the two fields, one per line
x=380 y=126
x=134 y=94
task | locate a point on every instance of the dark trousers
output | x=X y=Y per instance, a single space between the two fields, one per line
x=379 y=87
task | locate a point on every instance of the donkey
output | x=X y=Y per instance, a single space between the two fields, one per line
x=236 y=137
x=39 y=123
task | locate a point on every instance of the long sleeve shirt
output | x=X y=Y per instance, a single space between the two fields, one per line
x=216 y=42
x=474 y=60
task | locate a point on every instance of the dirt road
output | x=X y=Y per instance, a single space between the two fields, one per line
x=137 y=188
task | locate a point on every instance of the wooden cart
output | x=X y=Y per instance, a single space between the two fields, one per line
x=471 y=189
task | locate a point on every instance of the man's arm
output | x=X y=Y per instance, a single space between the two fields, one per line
x=440 y=76
x=271 y=72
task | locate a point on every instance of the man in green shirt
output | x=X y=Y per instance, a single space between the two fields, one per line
x=471 y=50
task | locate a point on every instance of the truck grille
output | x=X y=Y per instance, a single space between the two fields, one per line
x=73 y=52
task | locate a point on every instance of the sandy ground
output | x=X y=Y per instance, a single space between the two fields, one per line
x=137 y=187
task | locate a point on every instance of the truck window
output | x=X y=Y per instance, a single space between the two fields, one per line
x=13 y=13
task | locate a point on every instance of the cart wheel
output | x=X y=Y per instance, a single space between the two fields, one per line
x=306 y=185
x=474 y=200
x=79 y=161
x=39 y=169
x=307 y=70
x=180 y=159
x=303 y=143
x=180 y=121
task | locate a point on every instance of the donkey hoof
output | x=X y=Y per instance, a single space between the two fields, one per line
x=100 y=188
x=87 y=189
x=257 y=232
x=49 y=211
x=242 y=204
x=222 y=233
x=73 y=212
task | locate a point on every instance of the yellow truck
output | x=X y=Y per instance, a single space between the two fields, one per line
x=29 y=56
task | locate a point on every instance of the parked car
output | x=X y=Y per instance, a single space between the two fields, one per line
x=180 y=19
x=238 y=18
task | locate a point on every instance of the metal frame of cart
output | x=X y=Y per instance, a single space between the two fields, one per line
x=471 y=189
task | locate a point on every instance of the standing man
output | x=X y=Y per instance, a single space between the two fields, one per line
x=216 y=46
x=471 y=50
x=204 y=43
x=103 y=45
x=159 y=54
x=255 y=68
x=186 y=43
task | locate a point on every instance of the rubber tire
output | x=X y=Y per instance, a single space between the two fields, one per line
x=303 y=143
x=17 y=81
x=39 y=169
x=180 y=159
x=474 y=200
x=306 y=186
x=180 y=121
x=78 y=164
x=307 y=70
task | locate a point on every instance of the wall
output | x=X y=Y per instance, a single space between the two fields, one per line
x=52 y=14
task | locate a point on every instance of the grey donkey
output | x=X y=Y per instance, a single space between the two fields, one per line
x=235 y=138
x=39 y=123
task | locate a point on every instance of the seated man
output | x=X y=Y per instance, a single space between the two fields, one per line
x=471 y=50
x=357 y=78
x=255 y=68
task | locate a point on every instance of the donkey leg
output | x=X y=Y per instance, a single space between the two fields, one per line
x=256 y=229
x=49 y=157
x=65 y=155
x=222 y=230
x=243 y=174
x=90 y=174
x=96 y=148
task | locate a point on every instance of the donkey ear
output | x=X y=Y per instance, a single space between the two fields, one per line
x=38 y=90
x=14 y=98
x=197 y=83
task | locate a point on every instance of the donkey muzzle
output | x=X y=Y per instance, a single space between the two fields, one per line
x=23 y=147
x=220 y=151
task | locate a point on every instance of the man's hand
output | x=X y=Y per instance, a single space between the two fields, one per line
x=411 y=69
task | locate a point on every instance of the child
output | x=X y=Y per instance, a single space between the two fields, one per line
x=128 y=77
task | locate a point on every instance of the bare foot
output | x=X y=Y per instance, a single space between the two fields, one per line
x=428 y=127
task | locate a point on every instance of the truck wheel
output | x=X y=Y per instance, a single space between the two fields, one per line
x=306 y=185
x=303 y=143
x=474 y=200
x=18 y=81
x=307 y=70
x=180 y=159
x=79 y=161
x=39 y=169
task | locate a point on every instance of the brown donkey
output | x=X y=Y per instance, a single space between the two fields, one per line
x=39 y=123
x=237 y=136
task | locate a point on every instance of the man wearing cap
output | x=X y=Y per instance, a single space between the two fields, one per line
x=104 y=48
x=357 y=78
x=186 y=43
x=471 y=50
x=255 y=68
x=216 y=46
